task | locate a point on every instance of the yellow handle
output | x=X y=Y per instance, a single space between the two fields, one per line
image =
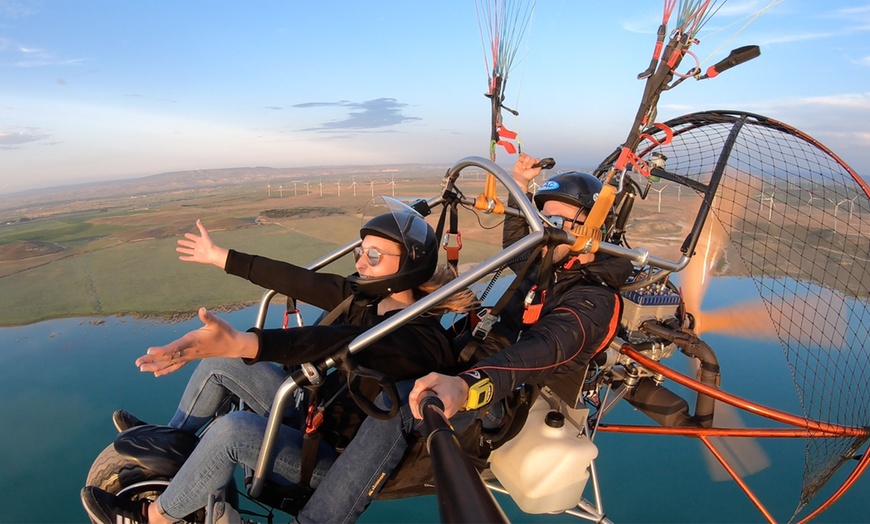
x=589 y=234
x=488 y=201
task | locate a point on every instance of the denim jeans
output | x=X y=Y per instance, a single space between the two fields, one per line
x=234 y=440
x=215 y=379
x=367 y=462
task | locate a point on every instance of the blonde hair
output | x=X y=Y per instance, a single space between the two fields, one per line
x=460 y=302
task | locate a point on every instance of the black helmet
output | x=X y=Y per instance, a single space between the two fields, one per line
x=574 y=188
x=407 y=228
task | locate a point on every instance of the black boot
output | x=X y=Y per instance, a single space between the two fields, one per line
x=105 y=508
x=123 y=419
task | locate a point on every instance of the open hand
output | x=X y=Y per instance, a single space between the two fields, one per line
x=215 y=339
x=200 y=248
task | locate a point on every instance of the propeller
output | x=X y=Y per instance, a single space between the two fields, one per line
x=744 y=454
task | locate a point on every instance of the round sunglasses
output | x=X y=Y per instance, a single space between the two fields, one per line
x=372 y=254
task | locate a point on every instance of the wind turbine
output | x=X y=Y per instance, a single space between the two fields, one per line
x=812 y=197
x=281 y=190
x=372 y=185
x=338 y=185
x=294 y=189
x=393 y=185
x=269 y=189
x=307 y=188
x=320 y=185
x=353 y=185
x=534 y=187
x=851 y=202
x=770 y=209
x=659 y=191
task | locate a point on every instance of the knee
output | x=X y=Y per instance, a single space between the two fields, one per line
x=235 y=425
x=212 y=366
x=232 y=432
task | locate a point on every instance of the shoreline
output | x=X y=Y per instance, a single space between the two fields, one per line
x=165 y=317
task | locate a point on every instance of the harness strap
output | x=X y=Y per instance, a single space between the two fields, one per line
x=311 y=437
x=335 y=313
x=453 y=230
x=310 y=441
x=487 y=319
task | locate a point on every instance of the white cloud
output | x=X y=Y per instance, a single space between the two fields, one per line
x=14 y=138
x=13 y=54
x=852 y=101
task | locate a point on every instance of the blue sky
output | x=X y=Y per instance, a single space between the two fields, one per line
x=100 y=90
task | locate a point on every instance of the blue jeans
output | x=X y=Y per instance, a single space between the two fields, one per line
x=367 y=462
x=215 y=379
x=231 y=441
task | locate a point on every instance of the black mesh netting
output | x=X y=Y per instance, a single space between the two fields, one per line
x=798 y=218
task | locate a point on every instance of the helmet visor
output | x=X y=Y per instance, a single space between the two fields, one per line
x=394 y=220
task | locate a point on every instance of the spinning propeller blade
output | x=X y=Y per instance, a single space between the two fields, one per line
x=743 y=454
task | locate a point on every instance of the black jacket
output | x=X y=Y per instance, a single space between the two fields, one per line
x=579 y=317
x=412 y=350
x=416 y=348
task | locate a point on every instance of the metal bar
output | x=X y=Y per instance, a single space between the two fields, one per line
x=739 y=481
x=283 y=395
x=714 y=432
x=691 y=241
x=318 y=264
x=856 y=473
x=462 y=281
x=741 y=403
x=273 y=425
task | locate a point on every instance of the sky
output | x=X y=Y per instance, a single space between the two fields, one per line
x=95 y=90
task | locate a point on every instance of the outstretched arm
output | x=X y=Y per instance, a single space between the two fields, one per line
x=216 y=338
x=200 y=248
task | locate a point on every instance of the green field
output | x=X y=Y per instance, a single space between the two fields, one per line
x=96 y=259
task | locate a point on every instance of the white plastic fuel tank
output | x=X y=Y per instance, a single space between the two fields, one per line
x=546 y=466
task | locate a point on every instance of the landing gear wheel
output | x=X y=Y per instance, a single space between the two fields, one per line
x=114 y=472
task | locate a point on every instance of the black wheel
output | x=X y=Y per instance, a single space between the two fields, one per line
x=114 y=472
x=123 y=476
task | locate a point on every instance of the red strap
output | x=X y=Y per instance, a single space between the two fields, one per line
x=313 y=420
x=506 y=133
x=570 y=263
x=533 y=311
x=452 y=251
x=510 y=148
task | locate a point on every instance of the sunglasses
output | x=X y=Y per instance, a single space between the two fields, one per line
x=372 y=254
x=558 y=221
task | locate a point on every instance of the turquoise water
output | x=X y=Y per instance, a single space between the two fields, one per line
x=60 y=381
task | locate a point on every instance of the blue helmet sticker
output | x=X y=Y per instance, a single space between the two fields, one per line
x=549 y=185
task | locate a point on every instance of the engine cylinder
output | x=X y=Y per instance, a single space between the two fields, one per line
x=660 y=404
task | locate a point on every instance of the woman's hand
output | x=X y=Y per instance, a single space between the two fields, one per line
x=200 y=248
x=215 y=339
x=453 y=392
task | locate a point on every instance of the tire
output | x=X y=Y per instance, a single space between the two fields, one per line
x=113 y=472
x=123 y=476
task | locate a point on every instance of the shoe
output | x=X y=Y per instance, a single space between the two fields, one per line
x=105 y=508
x=123 y=419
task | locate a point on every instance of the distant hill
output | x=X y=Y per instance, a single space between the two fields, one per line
x=208 y=178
